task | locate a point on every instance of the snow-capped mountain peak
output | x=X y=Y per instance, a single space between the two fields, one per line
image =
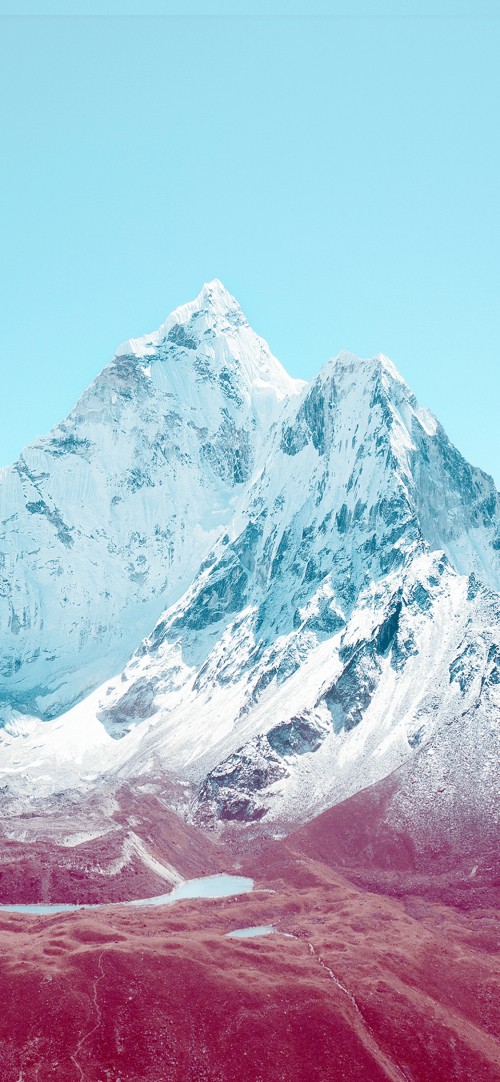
x=214 y=325
x=107 y=518
x=213 y=305
x=272 y=568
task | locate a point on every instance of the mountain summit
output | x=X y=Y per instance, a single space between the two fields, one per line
x=278 y=593
x=214 y=327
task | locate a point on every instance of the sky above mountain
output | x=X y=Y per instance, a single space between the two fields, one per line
x=339 y=174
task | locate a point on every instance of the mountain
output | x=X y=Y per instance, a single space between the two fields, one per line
x=275 y=593
x=105 y=521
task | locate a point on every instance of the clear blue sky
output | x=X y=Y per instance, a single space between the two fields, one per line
x=339 y=174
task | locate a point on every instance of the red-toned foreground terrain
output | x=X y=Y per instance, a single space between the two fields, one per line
x=382 y=965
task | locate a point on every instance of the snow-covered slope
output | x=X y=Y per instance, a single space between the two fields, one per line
x=329 y=606
x=105 y=520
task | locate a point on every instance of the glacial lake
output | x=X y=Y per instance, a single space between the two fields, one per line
x=210 y=886
x=249 y=933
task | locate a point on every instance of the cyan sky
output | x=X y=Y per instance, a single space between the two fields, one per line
x=339 y=174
